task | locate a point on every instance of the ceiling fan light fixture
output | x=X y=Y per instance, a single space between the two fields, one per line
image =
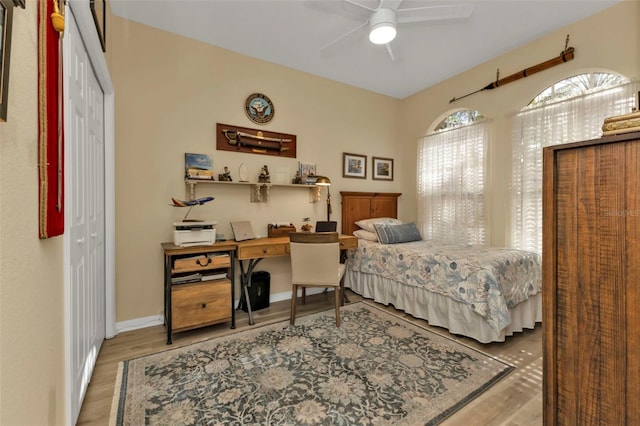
x=382 y=26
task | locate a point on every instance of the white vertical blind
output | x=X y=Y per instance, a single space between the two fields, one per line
x=451 y=184
x=571 y=120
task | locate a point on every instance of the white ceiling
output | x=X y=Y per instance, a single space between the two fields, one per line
x=293 y=32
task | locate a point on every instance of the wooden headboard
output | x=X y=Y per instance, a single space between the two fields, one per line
x=365 y=205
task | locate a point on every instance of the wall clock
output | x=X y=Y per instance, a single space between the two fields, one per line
x=259 y=108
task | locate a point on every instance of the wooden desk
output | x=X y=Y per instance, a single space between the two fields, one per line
x=249 y=253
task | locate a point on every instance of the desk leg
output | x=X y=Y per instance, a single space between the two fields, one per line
x=343 y=259
x=245 y=283
x=167 y=297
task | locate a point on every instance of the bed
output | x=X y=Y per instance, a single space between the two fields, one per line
x=485 y=293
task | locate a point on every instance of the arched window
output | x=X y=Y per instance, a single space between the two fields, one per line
x=458 y=119
x=451 y=170
x=570 y=110
x=577 y=85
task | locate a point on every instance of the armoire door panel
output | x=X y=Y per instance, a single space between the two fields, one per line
x=591 y=273
x=566 y=276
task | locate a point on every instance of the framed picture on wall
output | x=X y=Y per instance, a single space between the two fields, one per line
x=354 y=165
x=382 y=168
x=6 y=22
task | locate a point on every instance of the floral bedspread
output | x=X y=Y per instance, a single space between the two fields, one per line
x=488 y=279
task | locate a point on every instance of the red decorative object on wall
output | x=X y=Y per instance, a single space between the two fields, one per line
x=50 y=120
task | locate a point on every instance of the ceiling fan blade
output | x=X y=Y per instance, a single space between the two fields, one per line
x=343 y=36
x=340 y=8
x=434 y=13
x=355 y=3
x=390 y=52
x=390 y=4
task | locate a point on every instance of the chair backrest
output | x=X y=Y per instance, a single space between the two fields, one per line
x=315 y=258
x=326 y=226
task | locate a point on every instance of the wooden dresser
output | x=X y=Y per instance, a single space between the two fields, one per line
x=365 y=205
x=591 y=282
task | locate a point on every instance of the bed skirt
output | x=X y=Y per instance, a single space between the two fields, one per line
x=442 y=311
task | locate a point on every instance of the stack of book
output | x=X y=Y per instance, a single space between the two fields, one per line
x=621 y=124
x=307 y=173
x=197 y=277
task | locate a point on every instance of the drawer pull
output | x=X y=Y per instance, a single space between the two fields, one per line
x=208 y=262
x=204 y=305
x=264 y=251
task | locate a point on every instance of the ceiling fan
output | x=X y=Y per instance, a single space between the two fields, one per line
x=383 y=20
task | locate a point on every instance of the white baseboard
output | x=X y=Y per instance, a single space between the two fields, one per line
x=138 y=323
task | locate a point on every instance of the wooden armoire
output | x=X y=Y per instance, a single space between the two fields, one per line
x=366 y=205
x=591 y=282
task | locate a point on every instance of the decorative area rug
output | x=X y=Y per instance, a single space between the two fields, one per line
x=375 y=369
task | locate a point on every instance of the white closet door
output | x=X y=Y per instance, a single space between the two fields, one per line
x=85 y=216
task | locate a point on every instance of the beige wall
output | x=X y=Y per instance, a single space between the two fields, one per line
x=170 y=92
x=608 y=41
x=32 y=366
x=167 y=107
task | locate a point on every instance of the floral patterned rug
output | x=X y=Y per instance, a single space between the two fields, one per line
x=375 y=369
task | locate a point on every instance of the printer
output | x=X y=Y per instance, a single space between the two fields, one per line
x=200 y=233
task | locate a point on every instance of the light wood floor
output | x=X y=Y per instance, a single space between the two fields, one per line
x=516 y=400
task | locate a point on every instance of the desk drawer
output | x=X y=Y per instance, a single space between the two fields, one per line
x=253 y=252
x=201 y=263
x=198 y=304
x=348 y=243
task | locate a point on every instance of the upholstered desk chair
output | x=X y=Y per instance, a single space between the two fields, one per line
x=315 y=262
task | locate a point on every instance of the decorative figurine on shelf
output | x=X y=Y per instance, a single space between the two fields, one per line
x=264 y=175
x=225 y=176
x=297 y=179
x=306 y=227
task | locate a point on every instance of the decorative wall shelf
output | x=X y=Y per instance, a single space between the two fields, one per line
x=259 y=191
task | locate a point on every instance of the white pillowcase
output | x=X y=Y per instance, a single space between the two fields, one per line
x=367 y=224
x=365 y=235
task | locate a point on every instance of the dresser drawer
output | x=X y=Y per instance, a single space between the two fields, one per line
x=198 y=304
x=198 y=263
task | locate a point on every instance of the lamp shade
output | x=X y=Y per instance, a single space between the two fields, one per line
x=382 y=26
x=323 y=181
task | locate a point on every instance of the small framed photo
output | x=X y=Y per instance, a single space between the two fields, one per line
x=382 y=168
x=354 y=165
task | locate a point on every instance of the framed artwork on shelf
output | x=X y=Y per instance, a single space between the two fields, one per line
x=354 y=165
x=198 y=166
x=382 y=168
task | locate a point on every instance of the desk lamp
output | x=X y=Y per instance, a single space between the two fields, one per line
x=325 y=181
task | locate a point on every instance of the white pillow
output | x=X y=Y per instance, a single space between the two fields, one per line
x=365 y=235
x=367 y=224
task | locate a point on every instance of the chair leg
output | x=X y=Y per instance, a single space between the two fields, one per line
x=294 y=296
x=304 y=295
x=338 y=302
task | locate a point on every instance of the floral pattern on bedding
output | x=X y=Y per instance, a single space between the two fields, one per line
x=488 y=279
